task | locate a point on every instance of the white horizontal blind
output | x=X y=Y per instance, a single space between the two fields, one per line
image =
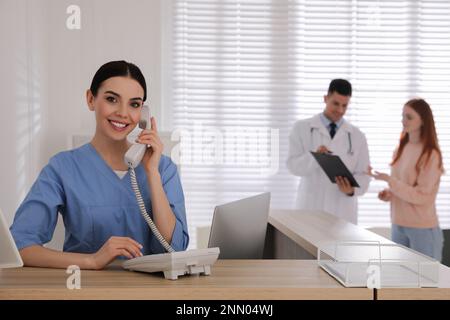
x=242 y=72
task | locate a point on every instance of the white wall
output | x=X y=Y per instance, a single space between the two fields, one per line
x=23 y=91
x=46 y=69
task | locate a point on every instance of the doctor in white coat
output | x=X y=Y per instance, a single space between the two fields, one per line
x=329 y=132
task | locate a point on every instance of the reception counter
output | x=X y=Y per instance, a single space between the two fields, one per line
x=230 y=279
x=296 y=234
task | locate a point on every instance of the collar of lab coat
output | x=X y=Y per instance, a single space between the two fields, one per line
x=316 y=123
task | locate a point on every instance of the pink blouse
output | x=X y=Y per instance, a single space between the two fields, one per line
x=414 y=194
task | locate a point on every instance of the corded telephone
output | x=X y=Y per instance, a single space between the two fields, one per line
x=134 y=155
x=173 y=263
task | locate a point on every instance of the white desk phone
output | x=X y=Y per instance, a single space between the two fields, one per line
x=172 y=263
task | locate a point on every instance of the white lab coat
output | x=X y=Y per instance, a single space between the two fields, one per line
x=316 y=191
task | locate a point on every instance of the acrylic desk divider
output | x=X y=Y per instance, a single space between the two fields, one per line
x=375 y=265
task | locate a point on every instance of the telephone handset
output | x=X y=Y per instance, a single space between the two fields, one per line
x=172 y=263
x=132 y=159
x=134 y=155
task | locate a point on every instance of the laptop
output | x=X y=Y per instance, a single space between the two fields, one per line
x=9 y=255
x=239 y=228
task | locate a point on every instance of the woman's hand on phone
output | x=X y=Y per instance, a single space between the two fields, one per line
x=113 y=248
x=151 y=138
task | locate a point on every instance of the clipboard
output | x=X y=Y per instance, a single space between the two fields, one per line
x=333 y=167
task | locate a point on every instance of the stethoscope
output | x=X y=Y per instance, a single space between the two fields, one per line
x=349 y=137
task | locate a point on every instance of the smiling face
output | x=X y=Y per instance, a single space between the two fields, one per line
x=411 y=120
x=117 y=106
x=335 y=106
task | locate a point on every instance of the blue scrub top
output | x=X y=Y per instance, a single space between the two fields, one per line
x=95 y=204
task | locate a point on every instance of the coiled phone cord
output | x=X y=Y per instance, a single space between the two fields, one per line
x=144 y=213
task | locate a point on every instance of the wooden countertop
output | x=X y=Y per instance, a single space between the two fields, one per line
x=230 y=279
x=309 y=228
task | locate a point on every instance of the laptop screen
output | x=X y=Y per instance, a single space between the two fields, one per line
x=239 y=228
x=9 y=257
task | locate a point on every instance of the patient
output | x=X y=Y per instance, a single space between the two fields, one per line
x=414 y=182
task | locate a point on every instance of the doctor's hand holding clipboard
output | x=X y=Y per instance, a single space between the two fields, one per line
x=343 y=183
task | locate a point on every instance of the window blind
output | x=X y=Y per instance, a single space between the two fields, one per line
x=242 y=72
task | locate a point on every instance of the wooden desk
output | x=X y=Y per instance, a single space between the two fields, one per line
x=230 y=279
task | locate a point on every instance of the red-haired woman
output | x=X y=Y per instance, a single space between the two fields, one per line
x=414 y=182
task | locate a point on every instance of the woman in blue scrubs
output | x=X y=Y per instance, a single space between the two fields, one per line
x=90 y=186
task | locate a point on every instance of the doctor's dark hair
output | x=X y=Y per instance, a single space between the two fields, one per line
x=118 y=69
x=341 y=86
